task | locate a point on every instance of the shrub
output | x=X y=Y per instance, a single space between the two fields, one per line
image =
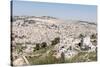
x=44 y=59
x=55 y=41
x=81 y=35
x=19 y=43
x=19 y=48
x=43 y=44
x=93 y=36
x=84 y=57
x=37 y=46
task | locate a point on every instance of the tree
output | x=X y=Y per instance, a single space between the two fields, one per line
x=37 y=46
x=43 y=44
x=93 y=36
x=81 y=36
x=55 y=41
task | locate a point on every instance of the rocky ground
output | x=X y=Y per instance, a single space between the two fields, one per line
x=47 y=40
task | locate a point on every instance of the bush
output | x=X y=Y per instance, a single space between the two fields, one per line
x=55 y=41
x=93 y=36
x=44 y=59
x=81 y=36
x=19 y=43
x=84 y=57
x=37 y=46
x=19 y=48
x=43 y=44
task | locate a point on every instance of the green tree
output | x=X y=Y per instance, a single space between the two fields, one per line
x=37 y=46
x=43 y=44
x=55 y=41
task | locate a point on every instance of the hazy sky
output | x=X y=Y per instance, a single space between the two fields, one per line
x=62 y=11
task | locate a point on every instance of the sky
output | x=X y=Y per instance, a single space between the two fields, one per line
x=58 y=10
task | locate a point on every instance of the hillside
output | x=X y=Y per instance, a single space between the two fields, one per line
x=46 y=40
